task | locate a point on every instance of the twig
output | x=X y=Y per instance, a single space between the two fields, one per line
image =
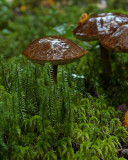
x=8 y=147
x=94 y=141
x=6 y=141
x=89 y=99
x=98 y=156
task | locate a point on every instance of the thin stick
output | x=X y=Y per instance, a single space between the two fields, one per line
x=105 y=57
x=55 y=73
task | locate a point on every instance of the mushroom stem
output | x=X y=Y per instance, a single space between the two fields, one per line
x=55 y=73
x=105 y=57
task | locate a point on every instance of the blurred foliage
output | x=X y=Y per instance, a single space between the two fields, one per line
x=117 y=4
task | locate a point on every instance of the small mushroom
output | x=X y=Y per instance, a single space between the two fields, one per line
x=97 y=26
x=117 y=41
x=53 y=49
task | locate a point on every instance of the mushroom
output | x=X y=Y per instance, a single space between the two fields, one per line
x=117 y=41
x=53 y=49
x=97 y=26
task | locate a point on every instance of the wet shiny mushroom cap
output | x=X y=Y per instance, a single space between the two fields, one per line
x=98 y=25
x=53 y=49
x=117 y=41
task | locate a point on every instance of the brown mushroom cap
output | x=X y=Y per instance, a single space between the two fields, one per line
x=53 y=49
x=117 y=41
x=98 y=25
